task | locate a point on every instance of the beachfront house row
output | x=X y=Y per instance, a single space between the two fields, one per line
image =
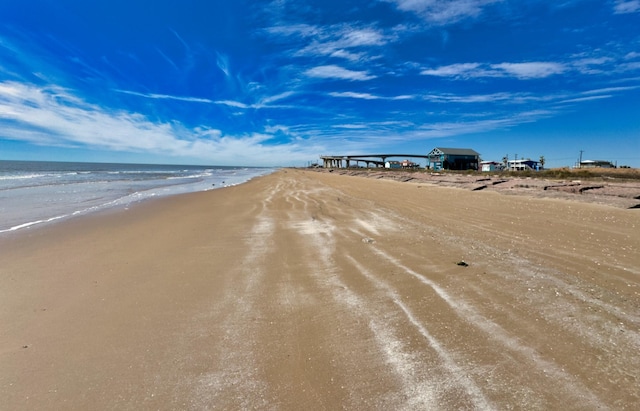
x=441 y=158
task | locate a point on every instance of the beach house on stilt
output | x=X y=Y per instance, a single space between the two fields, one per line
x=441 y=158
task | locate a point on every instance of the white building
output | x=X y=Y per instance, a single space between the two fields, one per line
x=487 y=166
x=523 y=164
x=596 y=163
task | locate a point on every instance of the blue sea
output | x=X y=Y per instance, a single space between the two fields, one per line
x=36 y=192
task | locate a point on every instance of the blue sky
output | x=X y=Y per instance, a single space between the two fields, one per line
x=282 y=82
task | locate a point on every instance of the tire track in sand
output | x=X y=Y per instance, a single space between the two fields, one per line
x=417 y=391
x=416 y=388
x=236 y=384
x=581 y=396
x=458 y=376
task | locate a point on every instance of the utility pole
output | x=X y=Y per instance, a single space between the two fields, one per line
x=580 y=161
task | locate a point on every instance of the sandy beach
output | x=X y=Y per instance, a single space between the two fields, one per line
x=309 y=290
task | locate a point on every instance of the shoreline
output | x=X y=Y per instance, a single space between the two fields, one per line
x=301 y=287
x=36 y=193
x=123 y=203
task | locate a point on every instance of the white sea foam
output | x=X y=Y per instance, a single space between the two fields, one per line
x=21 y=176
x=35 y=193
x=29 y=224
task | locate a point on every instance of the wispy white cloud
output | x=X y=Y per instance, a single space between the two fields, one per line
x=443 y=12
x=592 y=61
x=624 y=7
x=523 y=71
x=584 y=63
x=54 y=116
x=222 y=62
x=337 y=72
x=333 y=37
x=611 y=90
x=347 y=55
x=631 y=66
x=512 y=98
x=377 y=129
x=368 y=96
x=349 y=94
x=232 y=103
x=592 y=65
x=375 y=132
x=359 y=37
x=403 y=97
x=462 y=70
x=530 y=70
x=168 y=59
x=352 y=42
x=582 y=99
x=596 y=94
x=166 y=97
x=265 y=102
x=447 y=129
x=352 y=126
x=277 y=97
x=297 y=30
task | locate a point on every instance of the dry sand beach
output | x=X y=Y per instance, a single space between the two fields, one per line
x=308 y=290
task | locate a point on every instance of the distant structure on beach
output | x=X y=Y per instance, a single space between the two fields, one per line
x=441 y=158
x=596 y=164
x=393 y=164
x=487 y=166
x=401 y=164
x=523 y=164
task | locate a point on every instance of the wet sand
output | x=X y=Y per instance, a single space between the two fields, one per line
x=306 y=290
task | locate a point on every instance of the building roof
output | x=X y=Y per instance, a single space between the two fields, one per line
x=595 y=162
x=454 y=151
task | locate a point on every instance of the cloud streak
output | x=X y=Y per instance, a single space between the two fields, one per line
x=442 y=12
x=166 y=97
x=264 y=102
x=584 y=64
x=531 y=70
x=522 y=71
x=339 y=73
x=53 y=116
x=351 y=42
x=367 y=96
x=625 y=7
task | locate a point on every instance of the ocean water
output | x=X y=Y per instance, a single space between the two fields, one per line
x=37 y=192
